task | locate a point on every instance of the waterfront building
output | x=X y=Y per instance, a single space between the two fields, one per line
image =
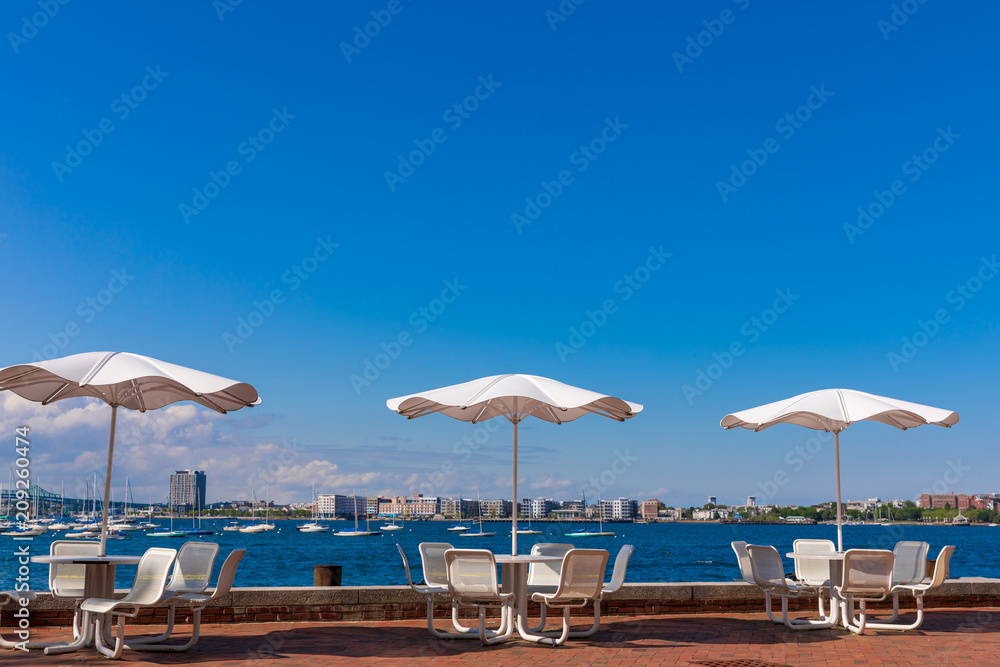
x=538 y=508
x=187 y=489
x=618 y=509
x=751 y=501
x=497 y=508
x=649 y=509
x=712 y=500
x=939 y=500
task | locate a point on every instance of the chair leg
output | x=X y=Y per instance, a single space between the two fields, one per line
x=173 y=648
x=171 y=613
x=86 y=631
x=898 y=626
x=506 y=631
x=767 y=608
x=119 y=641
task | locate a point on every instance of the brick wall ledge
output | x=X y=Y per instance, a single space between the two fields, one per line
x=357 y=603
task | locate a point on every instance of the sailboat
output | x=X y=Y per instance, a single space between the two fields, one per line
x=123 y=524
x=198 y=530
x=459 y=527
x=267 y=509
x=478 y=533
x=356 y=532
x=255 y=526
x=61 y=523
x=313 y=526
x=171 y=532
x=528 y=530
x=149 y=519
x=600 y=532
x=392 y=526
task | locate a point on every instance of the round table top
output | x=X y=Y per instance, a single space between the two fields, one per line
x=527 y=558
x=827 y=555
x=82 y=559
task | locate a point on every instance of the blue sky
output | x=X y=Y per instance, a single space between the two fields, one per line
x=279 y=197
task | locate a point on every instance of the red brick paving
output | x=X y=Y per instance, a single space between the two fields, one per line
x=948 y=637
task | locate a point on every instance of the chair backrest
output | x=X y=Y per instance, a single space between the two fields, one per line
x=909 y=564
x=65 y=579
x=941 y=566
x=768 y=570
x=808 y=571
x=193 y=567
x=228 y=573
x=546 y=574
x=867 y=573
x=151 y=576
x=744 y=560
x=433 y=564
x=472 y=573
x=582 y=576
x=406 y=565
x=618 y=573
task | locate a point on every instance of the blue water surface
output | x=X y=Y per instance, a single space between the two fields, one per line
x=664 y=552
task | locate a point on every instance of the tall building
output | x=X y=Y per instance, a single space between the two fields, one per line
x=187 y=489
x=712 y=500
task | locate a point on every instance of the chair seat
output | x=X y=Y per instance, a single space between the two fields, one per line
x=99 y=605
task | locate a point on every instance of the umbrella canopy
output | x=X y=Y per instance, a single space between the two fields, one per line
x=834 y=410
x=513 y=397
x=127 y=380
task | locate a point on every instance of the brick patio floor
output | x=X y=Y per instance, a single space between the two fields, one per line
x=948 y=637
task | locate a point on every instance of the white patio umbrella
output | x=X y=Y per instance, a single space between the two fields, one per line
x=834 y=410
x=123 y=379
x=513 y=397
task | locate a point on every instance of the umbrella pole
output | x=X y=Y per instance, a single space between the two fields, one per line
x=840 y=520
x=107 y=480
x=513 y=521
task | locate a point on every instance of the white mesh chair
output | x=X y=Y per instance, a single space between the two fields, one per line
x=472 y=582
x=769 y=574
x=814 y=572
x=429 y=591
x=918 y=589
x=544 y=577
x=196 y=601
x=867 y=578
x=909 y=566
x=147 y=590
x=191 y=574
x=436 y=574
x=746 y=571
x=581 y=580
x=16 y=596
x=66 y=580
